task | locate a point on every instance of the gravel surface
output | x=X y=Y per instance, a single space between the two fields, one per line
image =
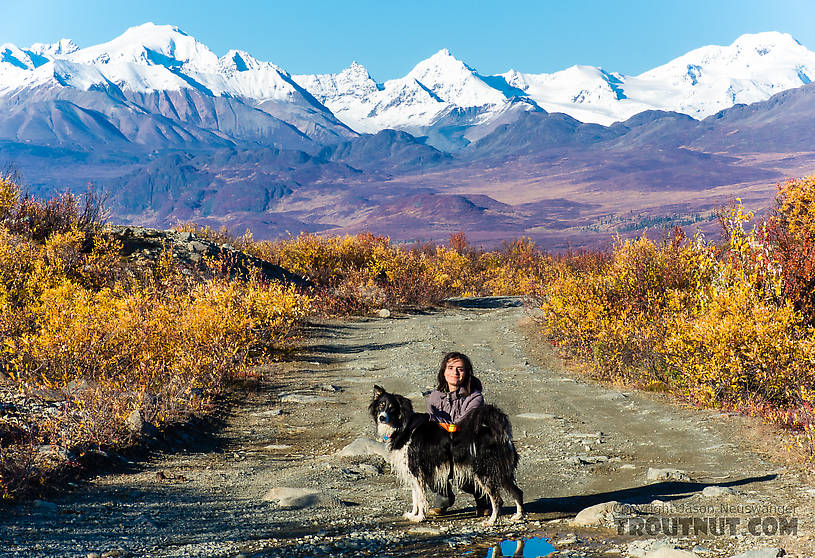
x=272 y=481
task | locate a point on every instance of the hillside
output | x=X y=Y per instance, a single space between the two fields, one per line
x=175 y=132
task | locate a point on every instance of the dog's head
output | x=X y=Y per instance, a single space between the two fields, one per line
x=390 y=413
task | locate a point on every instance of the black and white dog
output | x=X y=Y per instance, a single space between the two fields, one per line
x=423 y=454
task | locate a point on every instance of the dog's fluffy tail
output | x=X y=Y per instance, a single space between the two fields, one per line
x=493 y=432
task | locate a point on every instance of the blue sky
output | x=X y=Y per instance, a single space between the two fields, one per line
x=389 y=37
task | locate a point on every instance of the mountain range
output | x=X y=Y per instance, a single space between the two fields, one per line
x=175 y=132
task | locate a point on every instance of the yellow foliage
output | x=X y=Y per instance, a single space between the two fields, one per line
x=708 y=322
x=160 y=342
x=367 y=271
x=738 y=347
x=9 y=194
x=796 y=206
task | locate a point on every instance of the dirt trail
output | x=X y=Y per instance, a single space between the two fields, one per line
x=580 y=444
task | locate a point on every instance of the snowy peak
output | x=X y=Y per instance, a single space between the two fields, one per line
x=62 y=47
x=764 y=43
x=242 y=61
x=455 y=82
x=17 y=66
x=356 y=73
x=151 y=44
x=587 y=93
x=699 y=83
x=160 y=72
x=748 y=57
x=709 y=79
x=150 y=58
x=443 y=61
x=432 y=89
x=352 y=82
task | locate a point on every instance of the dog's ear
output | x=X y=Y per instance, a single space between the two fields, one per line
x=378 y=391
x=405 y=407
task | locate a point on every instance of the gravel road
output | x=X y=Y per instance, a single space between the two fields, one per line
x=270 y=482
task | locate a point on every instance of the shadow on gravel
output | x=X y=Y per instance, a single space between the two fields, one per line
x=195 y=435
x=162 y=518
x=665 y=491
x=485 y=302
x=307 y=353
x=327 y=330
x=338 y=349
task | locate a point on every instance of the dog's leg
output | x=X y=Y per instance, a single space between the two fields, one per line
x=493 y=494
x=422 y=503
x=495 y=507
x=414 y=499
x=517 y=495
x=417 y=514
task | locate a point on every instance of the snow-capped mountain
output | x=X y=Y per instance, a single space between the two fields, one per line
x=158 y=73
x=709 y=79
x=61 y=47
x=157 y=83
x=699 y=83
x=586 y=93
x=431 y=90
x=435 y=91
x=451 y=79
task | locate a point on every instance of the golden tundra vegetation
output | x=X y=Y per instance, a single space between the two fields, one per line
x=726 y=323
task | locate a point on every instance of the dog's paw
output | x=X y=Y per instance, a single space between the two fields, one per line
x=518 y=516
x=489 y=522
x=418 y=518
x=410 y=516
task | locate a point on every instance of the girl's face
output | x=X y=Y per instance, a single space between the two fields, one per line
x=454 y=374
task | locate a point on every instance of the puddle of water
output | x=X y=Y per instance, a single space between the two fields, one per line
x=535 y=547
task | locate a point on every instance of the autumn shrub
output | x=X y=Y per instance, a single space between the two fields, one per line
x=106 y=338
x=38 y=219
x=164 y=352
x=790 y=232
x=358 y=273
x=364 y=272
x=615 y=312
x=745 y=341
x=729 y=324
x=519 y=268
x=741 y=348
x=454 y=271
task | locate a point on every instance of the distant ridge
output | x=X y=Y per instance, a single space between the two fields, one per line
x=175 y=132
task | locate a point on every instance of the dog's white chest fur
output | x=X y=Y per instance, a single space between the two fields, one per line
x=384 y=431
x=399 y=462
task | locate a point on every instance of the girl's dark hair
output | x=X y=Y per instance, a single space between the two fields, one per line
x=468 y=371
